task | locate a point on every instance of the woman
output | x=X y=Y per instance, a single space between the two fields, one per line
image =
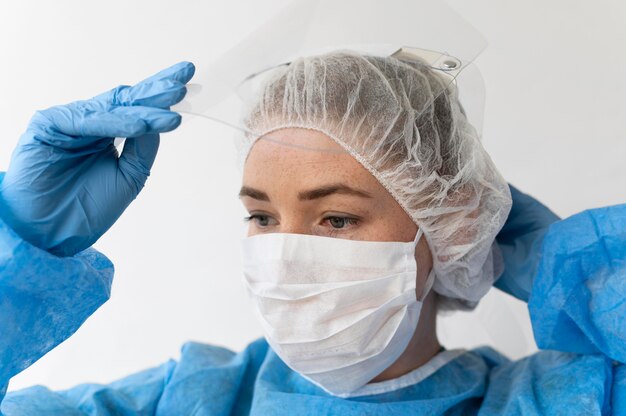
x=371 y=189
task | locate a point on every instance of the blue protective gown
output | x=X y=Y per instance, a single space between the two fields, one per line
x=576 y=305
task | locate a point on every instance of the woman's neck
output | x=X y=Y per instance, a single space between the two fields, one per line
x=423 y=346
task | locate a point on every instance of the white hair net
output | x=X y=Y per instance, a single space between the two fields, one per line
x=403 y=122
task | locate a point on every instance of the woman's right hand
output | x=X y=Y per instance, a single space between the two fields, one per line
x=66 y=184
x=520 y=242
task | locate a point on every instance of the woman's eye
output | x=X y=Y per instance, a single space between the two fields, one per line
x=340 y=222
x=260 y=219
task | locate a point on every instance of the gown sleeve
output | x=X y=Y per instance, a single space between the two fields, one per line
x=206 y=380
x=572 y=273
x=44 y=299
x=578 y=299
x=138 y=394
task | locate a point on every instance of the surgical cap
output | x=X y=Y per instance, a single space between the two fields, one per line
x=404 y=123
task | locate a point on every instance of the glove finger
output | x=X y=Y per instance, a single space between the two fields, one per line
x=161 y=94
x=158 y=120
x=65 y=127
x=68 y=128
x=161 y=90
x=137 y=159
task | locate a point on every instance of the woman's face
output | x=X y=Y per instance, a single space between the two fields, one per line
x=288 y=189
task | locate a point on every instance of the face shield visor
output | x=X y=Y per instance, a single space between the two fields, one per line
x=427 y=31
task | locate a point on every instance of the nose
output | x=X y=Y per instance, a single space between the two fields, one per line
x=294 y=227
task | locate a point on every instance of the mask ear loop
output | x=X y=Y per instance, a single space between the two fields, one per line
x=431 y=275
x=418 y=235
x=429 y=284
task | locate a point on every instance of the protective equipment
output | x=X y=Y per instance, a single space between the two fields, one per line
x=576 y=305
x=428 y=157
x=337 y=311
x=429 y=29
x=66 y=184
x=392 y=101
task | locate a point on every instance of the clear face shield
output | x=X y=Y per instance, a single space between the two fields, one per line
x=427 y=31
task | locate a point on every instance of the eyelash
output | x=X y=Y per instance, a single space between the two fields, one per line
x=348 y=220
x=256 y=218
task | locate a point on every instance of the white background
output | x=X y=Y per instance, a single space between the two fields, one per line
x=554 y=124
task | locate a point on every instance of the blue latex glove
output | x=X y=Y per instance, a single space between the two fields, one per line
x=66 y=184
x=520 y=241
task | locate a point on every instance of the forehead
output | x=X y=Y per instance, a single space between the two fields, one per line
x=297 y=155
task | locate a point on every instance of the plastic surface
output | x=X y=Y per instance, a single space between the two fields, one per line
x=425 y=30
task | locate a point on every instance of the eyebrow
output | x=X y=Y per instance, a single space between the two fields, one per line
x=253 y=193
x=327 y=190
x=309 y=195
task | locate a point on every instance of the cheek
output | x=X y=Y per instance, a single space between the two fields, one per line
x=252 y=230
x=390 y=223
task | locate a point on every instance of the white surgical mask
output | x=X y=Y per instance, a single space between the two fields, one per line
x=337 y=311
